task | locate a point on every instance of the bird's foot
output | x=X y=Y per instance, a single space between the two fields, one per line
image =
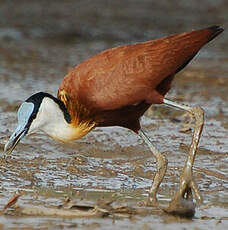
x=182 y=203
x=152 y=201
x=180 y=206
x=149 y=202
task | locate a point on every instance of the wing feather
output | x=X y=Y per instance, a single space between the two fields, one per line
x=126 y=75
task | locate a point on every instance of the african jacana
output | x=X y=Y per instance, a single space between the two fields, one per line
x=115 y=88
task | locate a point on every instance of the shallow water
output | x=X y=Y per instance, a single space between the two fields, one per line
x=40 y=43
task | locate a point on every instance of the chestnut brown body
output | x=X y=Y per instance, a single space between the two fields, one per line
x=118 y=85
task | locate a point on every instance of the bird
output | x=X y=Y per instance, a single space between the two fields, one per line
x=115 y=88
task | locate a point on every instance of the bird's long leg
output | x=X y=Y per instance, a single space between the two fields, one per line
x=161 y=169
x=187 y=184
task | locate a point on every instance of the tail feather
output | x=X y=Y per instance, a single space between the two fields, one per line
x=215 y=31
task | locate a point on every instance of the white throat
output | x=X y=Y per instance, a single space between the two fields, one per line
x=50 y=119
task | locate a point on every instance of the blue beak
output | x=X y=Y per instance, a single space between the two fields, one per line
x=14 y=139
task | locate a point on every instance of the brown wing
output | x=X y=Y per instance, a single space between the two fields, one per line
x=129 y=74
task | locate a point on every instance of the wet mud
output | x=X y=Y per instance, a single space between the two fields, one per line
x=39 y=44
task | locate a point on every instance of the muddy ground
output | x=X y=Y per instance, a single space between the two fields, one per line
x=40 y=41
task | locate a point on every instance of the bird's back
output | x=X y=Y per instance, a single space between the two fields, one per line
x=129 y=74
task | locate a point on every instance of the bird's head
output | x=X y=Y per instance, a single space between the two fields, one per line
x=40 y=111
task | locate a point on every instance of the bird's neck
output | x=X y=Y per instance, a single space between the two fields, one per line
x=58 y=127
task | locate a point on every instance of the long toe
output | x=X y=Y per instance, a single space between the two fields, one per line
x=182 y=203
x=196 y=192
x=181 y=207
